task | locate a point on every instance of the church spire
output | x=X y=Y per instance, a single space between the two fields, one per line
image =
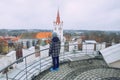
x=58 y=26
x=58 y=17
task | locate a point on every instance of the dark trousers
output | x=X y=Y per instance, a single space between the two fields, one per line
x=55 y=62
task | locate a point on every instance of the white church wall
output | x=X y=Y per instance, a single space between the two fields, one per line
x=100 y=46
x=11 y=56
x=44 y=53
x=4 y=61
x=62 y=48
x=27 y=52
x=88 y=48
x=71 y=47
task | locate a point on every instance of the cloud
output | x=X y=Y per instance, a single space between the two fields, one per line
x=93 y=14
x=77 y=14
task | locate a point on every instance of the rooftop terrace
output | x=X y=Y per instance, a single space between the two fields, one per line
x=87 y=69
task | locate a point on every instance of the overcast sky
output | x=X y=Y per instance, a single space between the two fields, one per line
x=76 y=14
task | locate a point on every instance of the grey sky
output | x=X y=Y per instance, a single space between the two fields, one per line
x=76 y=14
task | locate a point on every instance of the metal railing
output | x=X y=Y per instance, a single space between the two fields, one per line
x=28 y=69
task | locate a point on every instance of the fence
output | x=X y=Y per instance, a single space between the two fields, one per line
x=28 y=66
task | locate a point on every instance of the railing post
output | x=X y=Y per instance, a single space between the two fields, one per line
x=66 y=46
x=63 y=54
x=6 y=76
x=26 y=67
x=40 y=63
x=94 y=46
x=101 y=47
x=86 y=48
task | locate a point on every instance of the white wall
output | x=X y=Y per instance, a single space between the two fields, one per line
x=44 y=53
x=111 y=54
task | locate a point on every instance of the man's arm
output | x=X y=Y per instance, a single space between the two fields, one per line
x=50 y=49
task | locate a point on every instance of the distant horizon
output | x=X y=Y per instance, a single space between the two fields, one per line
x=64 y=29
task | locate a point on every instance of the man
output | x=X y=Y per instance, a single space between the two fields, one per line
x=54 y=51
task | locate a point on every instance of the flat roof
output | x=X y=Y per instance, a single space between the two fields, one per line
x=90 y=41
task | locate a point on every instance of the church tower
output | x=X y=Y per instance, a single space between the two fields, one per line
x=58 y=26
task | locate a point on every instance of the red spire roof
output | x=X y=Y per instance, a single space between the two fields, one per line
x=58 y=18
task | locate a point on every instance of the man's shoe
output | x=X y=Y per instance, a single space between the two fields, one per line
x=51 y=69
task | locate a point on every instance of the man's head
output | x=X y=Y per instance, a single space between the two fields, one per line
x=54 y=34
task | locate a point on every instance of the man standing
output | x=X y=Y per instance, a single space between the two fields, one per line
x=54 y=51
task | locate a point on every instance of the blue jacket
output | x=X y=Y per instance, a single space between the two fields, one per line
x=55 y=46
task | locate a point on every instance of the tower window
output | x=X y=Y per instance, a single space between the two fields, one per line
x=55 y=28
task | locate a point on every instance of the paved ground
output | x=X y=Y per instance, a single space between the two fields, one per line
x=89 y=69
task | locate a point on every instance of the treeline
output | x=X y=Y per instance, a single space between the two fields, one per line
x=99 y=36
x=103 y=36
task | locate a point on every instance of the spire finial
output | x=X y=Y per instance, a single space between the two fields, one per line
x=58 y=17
